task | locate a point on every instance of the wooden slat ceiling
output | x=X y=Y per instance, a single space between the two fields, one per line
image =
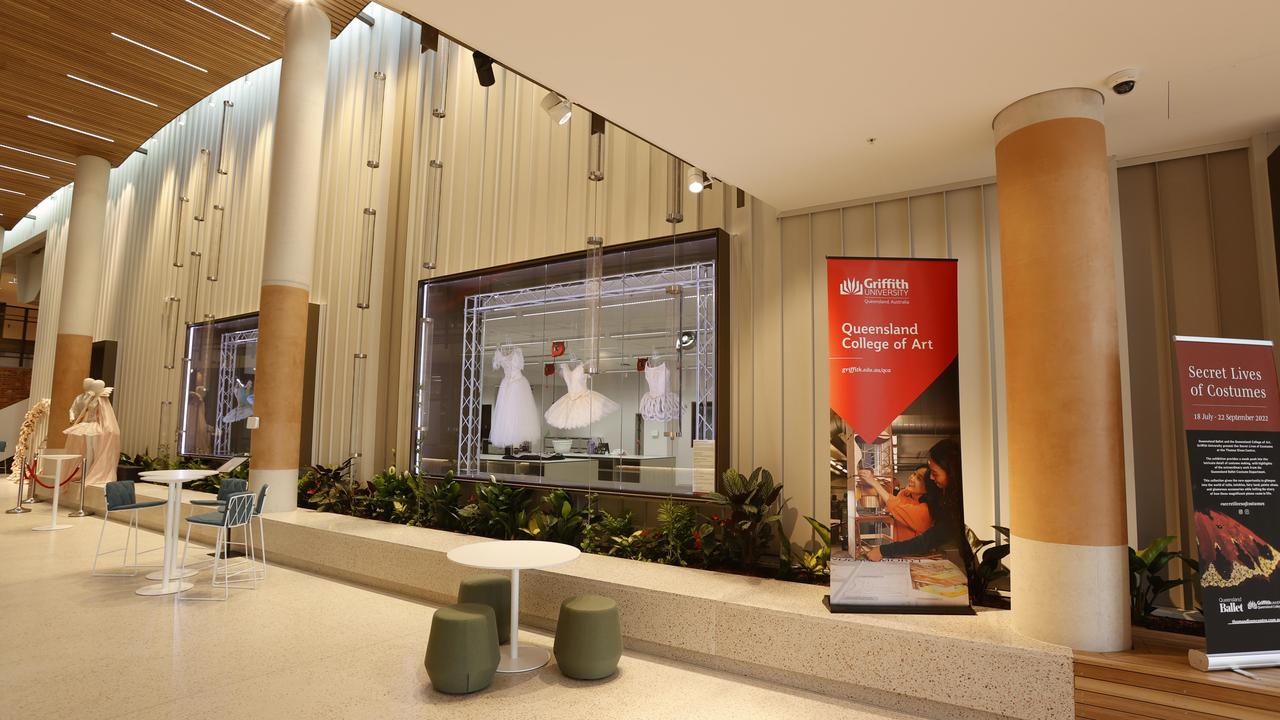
x=44 y=41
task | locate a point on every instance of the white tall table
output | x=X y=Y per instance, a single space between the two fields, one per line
x=58 y=459
x=516 y=555
x=170 y=575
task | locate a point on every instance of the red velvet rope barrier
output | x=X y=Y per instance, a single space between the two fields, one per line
x=31 y=475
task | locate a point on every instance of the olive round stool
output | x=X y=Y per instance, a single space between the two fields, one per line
x=462 y=652
x=494 y=591
x=588 y=637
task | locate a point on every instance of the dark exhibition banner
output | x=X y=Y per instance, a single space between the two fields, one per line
x=895 y=436
x=1231 y=413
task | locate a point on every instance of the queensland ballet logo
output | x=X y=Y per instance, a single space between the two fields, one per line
x=875 y=287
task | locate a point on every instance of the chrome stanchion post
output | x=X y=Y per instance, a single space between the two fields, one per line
x=22 y=477
x=32 y=485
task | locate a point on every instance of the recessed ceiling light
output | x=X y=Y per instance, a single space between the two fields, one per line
x=158 y=52
x=35 y=154
x=220 y=16
x=12 y=192
x=100 y=86
x=72 y=129
x=24 y=172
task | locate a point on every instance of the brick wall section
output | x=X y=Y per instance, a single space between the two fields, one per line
x=15 y=385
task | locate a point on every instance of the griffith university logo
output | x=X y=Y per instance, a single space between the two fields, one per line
x=875 y=287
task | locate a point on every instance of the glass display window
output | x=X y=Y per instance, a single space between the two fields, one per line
x=221 y=357
x=547 y=373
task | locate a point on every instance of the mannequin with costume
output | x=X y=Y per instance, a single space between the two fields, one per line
x=94 y=432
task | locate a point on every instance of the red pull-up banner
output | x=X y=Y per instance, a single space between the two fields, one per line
x=891 y=333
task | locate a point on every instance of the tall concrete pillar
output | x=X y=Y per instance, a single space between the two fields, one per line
x=1062 y=372
x=293 y=198
x=81 y=282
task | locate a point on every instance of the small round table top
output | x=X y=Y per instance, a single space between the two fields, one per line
x=175 y=476
x=59 y=456
x=514 y=554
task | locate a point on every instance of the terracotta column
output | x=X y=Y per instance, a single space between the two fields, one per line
x=293 y=199
x=1062 y=372
x=81 y=281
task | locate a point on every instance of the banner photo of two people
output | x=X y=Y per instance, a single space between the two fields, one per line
x=895 y=437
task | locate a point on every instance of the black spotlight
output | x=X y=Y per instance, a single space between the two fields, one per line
x=484 y=68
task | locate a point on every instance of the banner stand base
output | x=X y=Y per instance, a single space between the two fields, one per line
x=898 y=609
x=1205 y=662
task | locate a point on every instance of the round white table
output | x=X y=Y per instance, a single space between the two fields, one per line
x=170 y=576
x=516 y=555
x=58 y=459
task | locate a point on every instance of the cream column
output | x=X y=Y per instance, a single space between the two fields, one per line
x=81 y=281
x=1069 y=559
x=288 y=257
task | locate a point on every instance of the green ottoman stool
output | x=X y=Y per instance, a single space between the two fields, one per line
x=588 y=637
x=462 y=652
x=494 y=591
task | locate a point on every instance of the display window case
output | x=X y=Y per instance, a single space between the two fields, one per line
x=589 y=370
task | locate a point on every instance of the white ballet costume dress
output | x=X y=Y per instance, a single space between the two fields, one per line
x=515 y=414
x=580 y=406
x=659 y=405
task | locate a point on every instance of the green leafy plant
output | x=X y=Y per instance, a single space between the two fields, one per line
x=816 y=563
x=988 y=566
x=331 y=488
x=674 y=536
x=396 y=496
x=601 y=530
x=499 y=510
x=754 y=514
x=1146 y=575
x=438 y=507
x=560 y=522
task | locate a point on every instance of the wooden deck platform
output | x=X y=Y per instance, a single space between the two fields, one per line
x=1153 y=680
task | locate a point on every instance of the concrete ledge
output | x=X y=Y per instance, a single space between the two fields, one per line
x=937 y=666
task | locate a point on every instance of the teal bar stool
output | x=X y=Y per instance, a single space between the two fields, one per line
x=494 y=591
x=462 y=651
x=588 y=637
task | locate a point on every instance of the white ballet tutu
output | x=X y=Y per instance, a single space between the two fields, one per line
x=664 y=407
x=515 y=414
x=579 y=410
x=238 y=414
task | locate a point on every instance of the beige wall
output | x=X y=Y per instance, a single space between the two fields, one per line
x=1192 y=267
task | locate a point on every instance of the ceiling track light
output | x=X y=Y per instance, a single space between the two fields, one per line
x=484 y=69
x=698 y=180
x=100 y=86
x=104 y=138
x=220 y=16
x=36 y=154
x=24 y=172
x=161 y=53
x=557 y=107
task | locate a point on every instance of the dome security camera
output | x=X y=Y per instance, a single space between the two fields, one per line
x=1122 y=82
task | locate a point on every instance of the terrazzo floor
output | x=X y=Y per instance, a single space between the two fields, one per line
x=300 y=646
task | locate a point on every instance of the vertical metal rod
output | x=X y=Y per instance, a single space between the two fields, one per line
x=215 y=247
x=174 y=308
x=202 y=176
x=178 y=246
x=365 y=291
x=675 y=191
x=374 y=145
x=222 y=137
